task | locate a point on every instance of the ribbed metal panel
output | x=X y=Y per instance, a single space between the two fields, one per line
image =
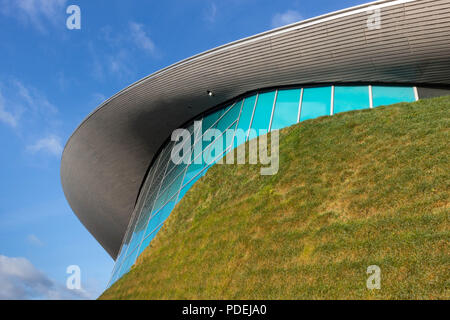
x=106 y=158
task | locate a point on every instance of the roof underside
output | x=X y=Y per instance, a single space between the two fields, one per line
x=106 y=158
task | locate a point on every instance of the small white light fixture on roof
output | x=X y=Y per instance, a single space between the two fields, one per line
x=210 y=93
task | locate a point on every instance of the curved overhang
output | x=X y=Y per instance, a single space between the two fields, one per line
x=106 y=158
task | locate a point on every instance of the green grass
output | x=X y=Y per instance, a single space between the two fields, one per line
x=362 y=188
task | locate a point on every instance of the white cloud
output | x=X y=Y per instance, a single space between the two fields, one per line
x=34 y=240
x=140 y=38
x=34 y=99
x=6 y=116
x=21 y=99
x=37 y=13
x=20 y=280
x=115 y=55
x=118 y=63
x=98 y=98
x=211 y=13
x=31 y=115
x=50 y=144
x=284 y=18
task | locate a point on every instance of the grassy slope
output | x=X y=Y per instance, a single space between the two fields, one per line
x=356 y=189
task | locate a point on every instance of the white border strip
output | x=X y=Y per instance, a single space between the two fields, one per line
x=300 y=101
x=416 y=93
x=370 y=97
x=332 y=101
x=273 y=110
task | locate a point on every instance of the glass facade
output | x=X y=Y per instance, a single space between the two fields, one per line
x=167 y=182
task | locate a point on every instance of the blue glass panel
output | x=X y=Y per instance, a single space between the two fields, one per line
x=316 y=103
x=229 y=117
x=263 y=111
x=348 y=98
x=160 y=216
x=185 y=189
x=137 y=235
x=153 y=224
x=191 y=183
x=173 y=176
x=175 y=185
x=217 y=149
x=388 y=95
x=165 y=212
x=160 y=200
x=244 y=120
x=122 y=252
x=128 y=263
x=193 y=170
x=147 y=240
x=286 y=108
x=211 y=119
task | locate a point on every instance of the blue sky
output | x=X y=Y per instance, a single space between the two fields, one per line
x=51 y=78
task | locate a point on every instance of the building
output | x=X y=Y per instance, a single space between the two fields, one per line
x=116 y=169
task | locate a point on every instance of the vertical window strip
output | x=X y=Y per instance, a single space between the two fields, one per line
x=273 y=110
x=159 y=188
x=332 y=101
x=176 y=195
x=300 y=105
x=181 y=185
x=131 y=227
x=215 y=123
x=159 y=167
x=149 y=184
x=237 y=122
x=201 y=155
x=253 y=114
x=416 y=93
x=370 y=97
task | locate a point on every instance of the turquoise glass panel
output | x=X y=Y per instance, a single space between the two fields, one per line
x=152 y=224
x=217 y=149
x=174 y=176
x=175 y=185
x=286 y=108
x=147 y=240
x=263 y=111
x=138 y=231
x=160 y=200
x=244 y=120
x=194 y=169
x=347 y=98
x=186 y=189
x=316 y=103
x=230 y=117
x=191 y=183
x=383 y=95
x=160 y=216
x=211 y=119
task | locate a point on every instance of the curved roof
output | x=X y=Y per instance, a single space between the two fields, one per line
x=106 y=158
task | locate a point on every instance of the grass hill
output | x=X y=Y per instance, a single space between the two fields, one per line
x=362 y=188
